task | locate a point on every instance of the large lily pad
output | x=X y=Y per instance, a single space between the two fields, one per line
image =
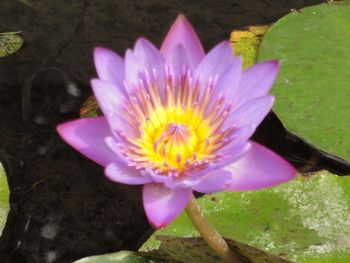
x=4 y=198
x=313 y=87
x=304 y=220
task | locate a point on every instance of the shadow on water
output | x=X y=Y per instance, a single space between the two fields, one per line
x=62 y=207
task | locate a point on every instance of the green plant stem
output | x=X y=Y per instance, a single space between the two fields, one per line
x=209 y=233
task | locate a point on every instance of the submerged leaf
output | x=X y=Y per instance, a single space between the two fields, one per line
x=195 y=250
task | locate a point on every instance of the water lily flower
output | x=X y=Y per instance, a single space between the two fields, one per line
x=177 y=120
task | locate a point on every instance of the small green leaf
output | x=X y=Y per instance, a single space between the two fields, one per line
x=313 y=87
x=10 y=42
x=304 y=220
x=4 y=198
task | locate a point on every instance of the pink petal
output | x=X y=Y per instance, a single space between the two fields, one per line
x=121 y=173
x=259 y=168
x=181 y=32
x=87 y=136
x=110 y=100
x=215 y=63
x=250 y=113
x=109 y=66
x=162 y=205
x=256 y=81
x=213 y=181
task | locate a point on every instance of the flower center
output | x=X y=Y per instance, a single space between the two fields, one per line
x=174 y=138
x=178 y=126
x=177 y=142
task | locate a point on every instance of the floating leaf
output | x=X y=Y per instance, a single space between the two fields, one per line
x=246 y=43
x=4 y=198
x=313 y=87
x=304 y=220
x=10 y=42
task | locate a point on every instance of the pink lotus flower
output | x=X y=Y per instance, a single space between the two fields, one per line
x=178 y=121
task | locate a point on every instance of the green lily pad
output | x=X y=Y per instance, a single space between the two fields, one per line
x=10 y=42
x=119 y=257
x=304 y=220
x=4 y=198
x=313 y=87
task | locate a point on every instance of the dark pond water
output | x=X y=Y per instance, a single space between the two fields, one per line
x=62 y=207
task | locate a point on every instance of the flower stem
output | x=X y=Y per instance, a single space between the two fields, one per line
x=209 y=233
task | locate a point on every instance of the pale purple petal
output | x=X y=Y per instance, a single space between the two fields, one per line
x=256 y=81
x=145 y=59
x=230 y=155
x=215 y=63
x=121 y=173
x=110 y=100
x=87 y=136
x=155 y=177
x=181 y=32
x=109 y=66
x=213 y=181
x=162 y=205
x=132 y=70
x=115 y=144
x=227 y=85
x=178 y=60
x=239 y=137
x=229 y=81
x=259 y=168
x=107 y=95
x=250 y=113
x=235 y=148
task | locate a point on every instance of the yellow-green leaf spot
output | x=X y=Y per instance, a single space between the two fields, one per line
x=4 y=198
x=246 y=43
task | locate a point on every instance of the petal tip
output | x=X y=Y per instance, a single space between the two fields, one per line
x=100 y=51
x=94 y=81
x=181 y=31
x=274 y=65
x=64 y=127
x=181 y=20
